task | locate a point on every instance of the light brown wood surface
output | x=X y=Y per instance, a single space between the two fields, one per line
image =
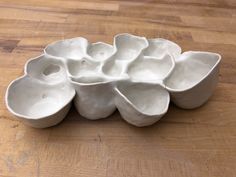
x=184 y=143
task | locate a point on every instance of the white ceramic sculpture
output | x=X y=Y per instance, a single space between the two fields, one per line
x=137 y=76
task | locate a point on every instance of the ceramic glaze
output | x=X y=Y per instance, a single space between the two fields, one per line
x=151 y=69
x=32 y=101
x=46 y=69
x=193 y=79
x=74 y=48
x=159 y=47
x=82 y=68
x=141 y=104
x=129 y=47
x=100 y=51
x=138 y=76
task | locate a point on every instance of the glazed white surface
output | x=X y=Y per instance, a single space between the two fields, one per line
x=138 y=76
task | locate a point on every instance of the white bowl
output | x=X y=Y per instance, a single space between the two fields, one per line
x=136 y=75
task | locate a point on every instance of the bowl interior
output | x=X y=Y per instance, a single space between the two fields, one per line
x=148 y=99
x=29 y=98
x=47 y=69
x=191 y=68
x=82 y=67
x=129 y=47
x=150 y=69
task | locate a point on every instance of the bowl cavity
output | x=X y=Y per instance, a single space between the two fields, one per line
x=149 y=69
x=29 y=98
x=193 y=79
x=128 y=46
x=141 y=104
x=82 y=68
x=46 y=69
x=191 y=68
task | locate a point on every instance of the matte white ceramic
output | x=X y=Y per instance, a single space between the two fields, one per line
x=151 y=69
x=100 y=51
x=138 y=76
x=141 y=104
x=158 y=47
x=193 y=79
x=95 y=98
x=38 y=104
x=74 y=48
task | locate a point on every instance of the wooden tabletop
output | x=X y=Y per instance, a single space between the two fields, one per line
x=184 y=143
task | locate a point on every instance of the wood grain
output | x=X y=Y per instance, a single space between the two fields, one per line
x=194 y=143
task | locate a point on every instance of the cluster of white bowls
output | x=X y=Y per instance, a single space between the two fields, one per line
x=138 y=76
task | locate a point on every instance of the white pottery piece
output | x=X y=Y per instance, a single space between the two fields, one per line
x=194 y=78
x=138 y=76
x=141 y=104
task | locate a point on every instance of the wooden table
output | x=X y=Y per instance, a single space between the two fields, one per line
x=194 y=143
